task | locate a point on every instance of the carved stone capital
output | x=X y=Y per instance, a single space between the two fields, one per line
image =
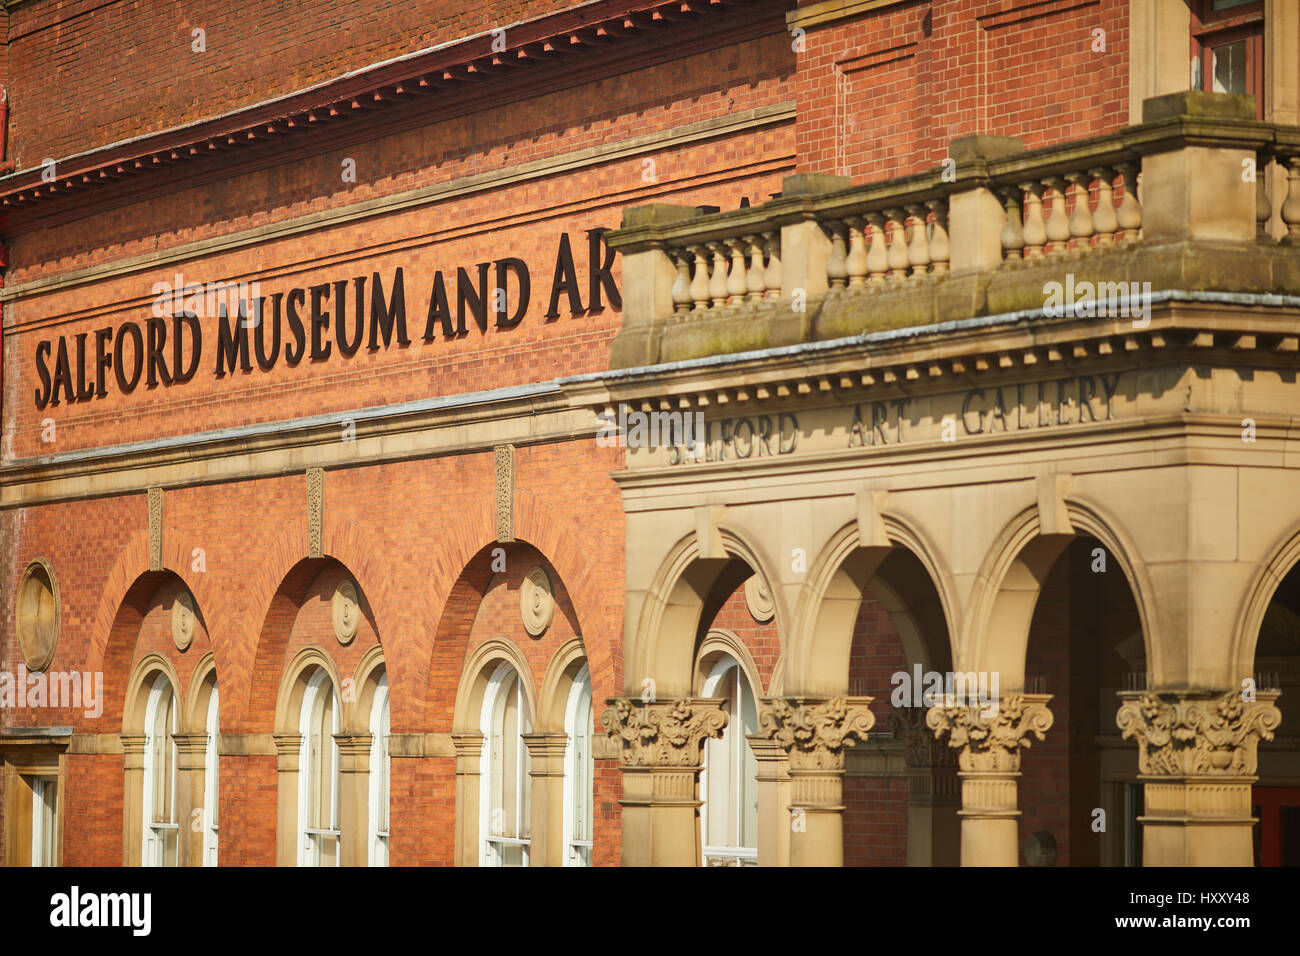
x=921 y=750
x=991 y=742
x=663 y=733
x=815 y=731
x=1198 y=734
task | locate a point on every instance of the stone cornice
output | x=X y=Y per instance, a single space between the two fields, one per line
x=450 y=71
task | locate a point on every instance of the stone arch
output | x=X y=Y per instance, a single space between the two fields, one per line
x=828 y=607
x=196 y=706
x=474 y=678
x=1282 y=559
x=365 y=680
x=720 y=640
x=1007 y=586
x=294 y=683
x=137 y=690
x=686 y=585
x=563 y=669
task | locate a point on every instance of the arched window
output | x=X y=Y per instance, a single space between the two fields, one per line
x=379 y=774
x=578 y=772
x=318 y=774
x=161 y=832
x=729 y=783
x=503 y=801
x=210 y=781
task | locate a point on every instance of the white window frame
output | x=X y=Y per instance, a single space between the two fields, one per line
x=489 y=852
x=308 y=842
x=577 y=751
x=379 y=789
x=733 y=738
x=153 y=850
x=211 y=779
x=45 y=819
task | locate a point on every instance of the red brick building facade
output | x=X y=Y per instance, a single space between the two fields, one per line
x=382 y=417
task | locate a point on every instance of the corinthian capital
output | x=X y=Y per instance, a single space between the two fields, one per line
x=1192 y=734
x=662 y=733
x=815 y=731
x=992 y=743
x=920 y=748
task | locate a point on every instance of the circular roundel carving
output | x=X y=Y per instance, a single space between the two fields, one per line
x=38 y=614
x=536 y=602
x=758 y=597
x=347 y=612
x=183 y=620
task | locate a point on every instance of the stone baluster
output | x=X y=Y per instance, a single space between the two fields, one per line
x=660 y=745
x=988 y=743
x=939 y=249
x=1263 y=207
x=1081 y=228
x=836 y=271
x=1013 y=232
x=718 y=275
x=918 y=247
x=897 y=244
x=736 y=282
x=877 y=256
x=772 y=276
x=1104 y=220
x=1129 y=213
x=1291 y=208
x=1034 y=230
x=855 y=263
x=682 y=284
x=755 y=283
x=815 y=733
x=700 y=279
x=1197 y=760
x=1058 y=223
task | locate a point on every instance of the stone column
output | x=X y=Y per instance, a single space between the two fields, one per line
x=773 y=801
x=191 y=749
x=546 y=799
x=933 y=792
x=354 y=798
x=1197 y=759
x=469 y=755
x=287 y=749
x=660 y=755
x=988 y=757
x=813 y=732
x=132 y=799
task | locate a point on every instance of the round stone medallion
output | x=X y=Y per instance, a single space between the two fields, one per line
x=758 y=598
x=347 y=612
x=183 y=620
x=38 y=615
x=536 y=602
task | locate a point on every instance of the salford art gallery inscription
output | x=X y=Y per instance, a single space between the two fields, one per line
x=296 y=323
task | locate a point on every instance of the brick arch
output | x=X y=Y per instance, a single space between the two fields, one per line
x=597 y=613
x=127 y=587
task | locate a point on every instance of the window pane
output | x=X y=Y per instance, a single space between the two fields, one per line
x=1228 y=4
x=1229 y=67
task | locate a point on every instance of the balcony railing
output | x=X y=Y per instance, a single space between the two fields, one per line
x=973 y=236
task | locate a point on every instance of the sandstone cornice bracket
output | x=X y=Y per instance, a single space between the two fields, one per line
x=663 y=733
x=992 y=743
x=1182 y=734
x=815 y=731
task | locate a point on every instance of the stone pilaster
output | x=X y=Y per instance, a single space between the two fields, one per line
x=287 y=750
x=469 y=756
x=133 y=799
x=546 y=804
x=988 y=749
x=660 y=755
x=933 y=791
x=773 y=779
x=1197 y=759
x=814 y=733
x=191 y=751
x=354 y=798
